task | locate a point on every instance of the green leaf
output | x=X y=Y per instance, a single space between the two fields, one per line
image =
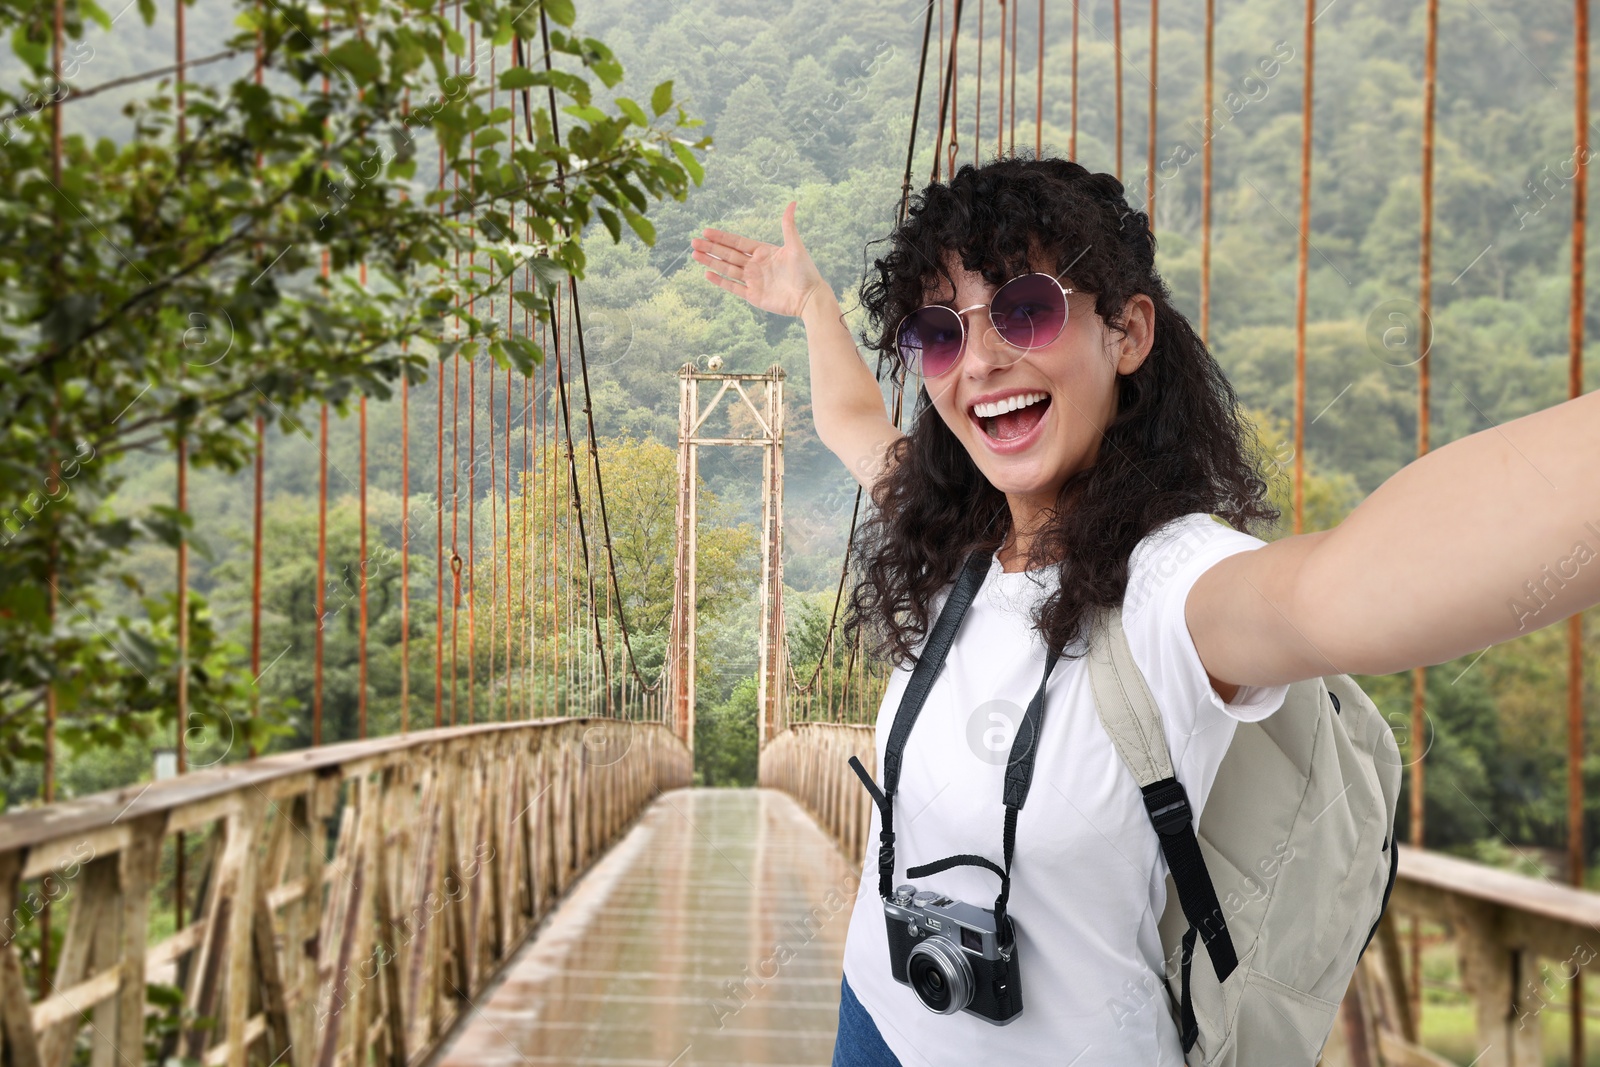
x=164 y=526
x=549 y=272
x=592 y=115
x=613 y=223
x=164 y=995
x=95 y=12
x=690 y=164
x=408 y=51
x=485 y=138
x=633 y=111
x=568 y=83
x=26 y=603
x=30 y=51
x=524 y=353
x=640 y=202
x=520 y=78
x=357 y=58
x=66 y=319
x=526 y=24
x=561 y=10
x=661 y=99
x=641 y=226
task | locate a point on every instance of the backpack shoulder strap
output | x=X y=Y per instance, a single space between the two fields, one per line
x=1127 y=708
x=1132 y=720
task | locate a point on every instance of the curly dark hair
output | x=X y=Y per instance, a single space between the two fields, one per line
x=1177 y=444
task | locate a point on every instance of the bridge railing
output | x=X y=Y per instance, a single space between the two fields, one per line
x=810 y=762
x=350 y=899
x=1503 y=926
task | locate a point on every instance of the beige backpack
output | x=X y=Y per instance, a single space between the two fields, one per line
x=1290 y=870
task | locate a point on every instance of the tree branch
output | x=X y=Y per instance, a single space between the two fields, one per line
x=163 y=417
x=117 y=83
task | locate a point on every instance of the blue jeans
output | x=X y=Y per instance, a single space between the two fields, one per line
x=859 y=1044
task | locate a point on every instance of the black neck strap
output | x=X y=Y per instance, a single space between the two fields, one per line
x=1019 y=765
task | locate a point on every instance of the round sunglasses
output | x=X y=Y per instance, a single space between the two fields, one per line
x=1029 y=311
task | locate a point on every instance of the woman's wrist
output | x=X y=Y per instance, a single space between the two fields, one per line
x=806 y=302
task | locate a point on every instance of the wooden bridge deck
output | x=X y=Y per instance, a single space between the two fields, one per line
x=712 y=933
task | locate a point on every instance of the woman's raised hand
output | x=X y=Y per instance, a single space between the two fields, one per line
x=846 y=402
x=776 y=278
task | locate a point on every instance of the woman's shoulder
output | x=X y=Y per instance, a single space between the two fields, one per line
x=1162 y=572
x=1173 y=548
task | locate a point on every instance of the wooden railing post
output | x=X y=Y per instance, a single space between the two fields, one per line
x=16 y=1018
x=93 y=897
x=1494 y=969
x=239 y=865
x=136 y=876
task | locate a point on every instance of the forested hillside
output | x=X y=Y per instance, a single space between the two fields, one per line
x=813 y=102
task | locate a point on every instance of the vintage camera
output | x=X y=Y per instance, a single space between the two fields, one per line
x=950 y=954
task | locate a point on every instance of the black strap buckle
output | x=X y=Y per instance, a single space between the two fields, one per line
x=1168 y=805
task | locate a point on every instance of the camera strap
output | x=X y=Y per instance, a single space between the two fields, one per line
x=1019 y=765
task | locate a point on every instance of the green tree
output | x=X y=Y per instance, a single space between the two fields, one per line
x=640 y=478
x=291 y=622
x=1328 y=497
x=171 y=289
x=641 y=501
x=750 y=113
x=725 y=739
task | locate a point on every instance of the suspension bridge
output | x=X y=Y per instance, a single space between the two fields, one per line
x=532 y=877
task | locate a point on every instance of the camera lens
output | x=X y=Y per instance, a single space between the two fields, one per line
x=940 y=975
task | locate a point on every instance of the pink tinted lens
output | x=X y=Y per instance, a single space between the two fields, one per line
x=930 y=337
x=1029 y=311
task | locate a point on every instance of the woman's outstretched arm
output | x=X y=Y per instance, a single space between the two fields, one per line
x=1485 y=539
x=846 y=404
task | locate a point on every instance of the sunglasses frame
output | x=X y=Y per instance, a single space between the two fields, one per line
x=961 y=320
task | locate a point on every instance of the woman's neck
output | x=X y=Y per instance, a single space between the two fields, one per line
x=1027 y=519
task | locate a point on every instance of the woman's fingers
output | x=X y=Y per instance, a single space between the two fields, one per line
x=726 y=267
x=791 y=233
x=772 y=277
x=725 y=253
x=732 y=240
x=721 y=282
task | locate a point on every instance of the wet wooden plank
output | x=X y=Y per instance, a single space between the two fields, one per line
x=713 y=933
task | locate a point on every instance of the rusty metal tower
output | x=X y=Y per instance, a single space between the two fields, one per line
x=767 y=434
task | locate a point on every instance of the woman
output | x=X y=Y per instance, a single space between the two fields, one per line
x=1086 y=437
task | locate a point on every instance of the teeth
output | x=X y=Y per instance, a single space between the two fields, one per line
x=1010 y=403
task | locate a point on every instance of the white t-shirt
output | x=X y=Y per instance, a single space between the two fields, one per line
x=1088 y=878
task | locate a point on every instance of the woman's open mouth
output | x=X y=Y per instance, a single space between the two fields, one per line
x=1011 y=423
